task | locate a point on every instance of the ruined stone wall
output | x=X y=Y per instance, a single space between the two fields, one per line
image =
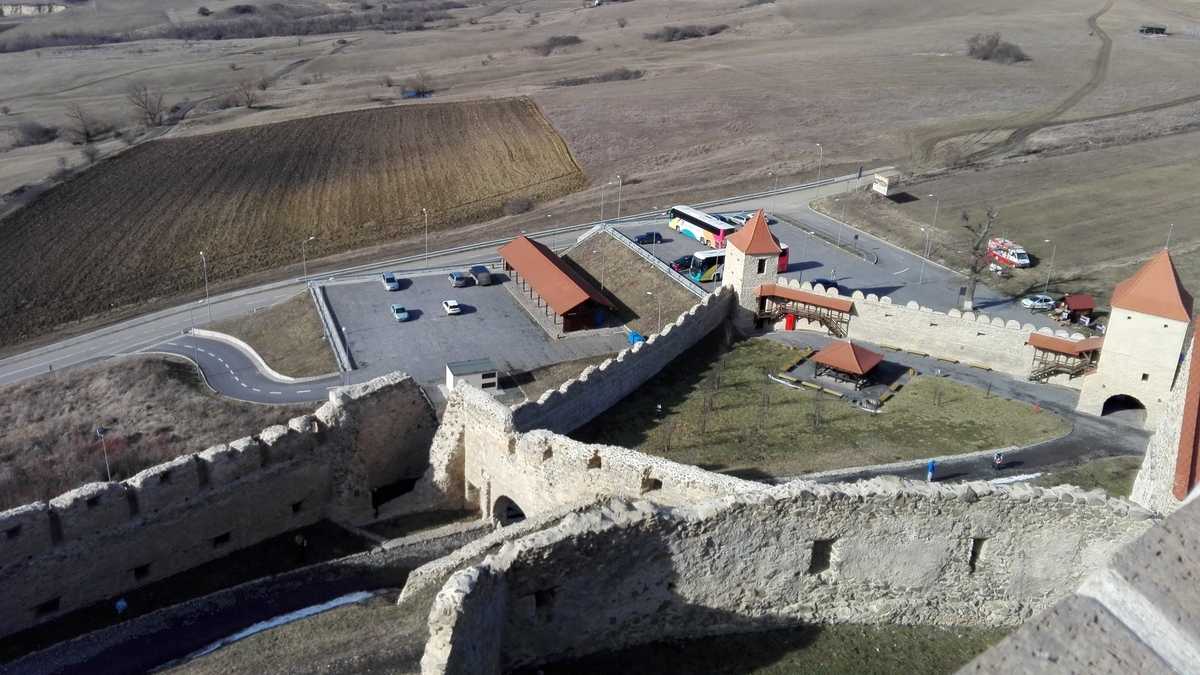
x=1153 y=486
x=882 y=551
x=597 y=388
x=102 y=539
x=972 y=338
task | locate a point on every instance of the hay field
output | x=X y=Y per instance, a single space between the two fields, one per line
x=133 y=228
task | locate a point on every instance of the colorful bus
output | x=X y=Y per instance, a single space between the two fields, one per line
x=707 y=266
x=699 y=226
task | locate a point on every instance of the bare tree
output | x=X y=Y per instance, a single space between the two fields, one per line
x=979 y=259
x=245 y=93
x=146 y=102
x=82 y=126
x=816 y=409
x=90 y=153
x=420 y=84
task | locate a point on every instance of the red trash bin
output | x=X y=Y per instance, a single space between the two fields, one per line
x=789 y=322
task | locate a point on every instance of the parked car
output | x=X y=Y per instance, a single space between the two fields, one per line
x=649 y=238
x=390 y=282
x=451 y=307
x=399 y=313
x=682 y=263
x=459 y=280
x=1038 y=302
x=481 y=275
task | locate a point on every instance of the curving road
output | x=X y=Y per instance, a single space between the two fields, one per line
x=231 y=372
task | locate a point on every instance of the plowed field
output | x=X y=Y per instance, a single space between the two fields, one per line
x=132 y=228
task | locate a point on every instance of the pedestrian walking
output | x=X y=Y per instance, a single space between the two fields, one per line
x=997 y=461
x=929 y=469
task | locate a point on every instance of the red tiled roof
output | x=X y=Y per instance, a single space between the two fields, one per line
x=795 y=295
x=848 y=358
x=1187 y=462
x=1060 y=345
x=1155 y=289
x=755 y=237
x=1079 y=302
x=554 y=280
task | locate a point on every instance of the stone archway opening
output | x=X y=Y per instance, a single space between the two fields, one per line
x=1124 y=407
x=506 y=512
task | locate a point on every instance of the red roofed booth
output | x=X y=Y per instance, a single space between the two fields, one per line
x=554 y=285
x=848 y=362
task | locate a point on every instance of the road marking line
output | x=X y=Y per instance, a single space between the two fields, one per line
x=244 y=385
x=303 y=391
x=258 y=390
x=901 y=271
x=277 y=393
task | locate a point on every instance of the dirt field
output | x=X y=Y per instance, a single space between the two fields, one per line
x=288 y=336
x=1108 y=210
x=154 y=409
x=736 y=434
x=247 y=198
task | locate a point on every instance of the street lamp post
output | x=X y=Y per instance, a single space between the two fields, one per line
x=603 y=189
x=658 y=301
x=620 y=182
x=304 y=256
x=100 y=431
x=425 y=211
x=936 y=207
x=820 y=159
x=204 y=264
x=924 y=248
x=1053 y=250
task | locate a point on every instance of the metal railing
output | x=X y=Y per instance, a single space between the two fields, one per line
x=688 y=284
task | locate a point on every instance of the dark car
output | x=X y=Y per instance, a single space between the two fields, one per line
x=649 y=238
x=481 y=275
x=682 y=263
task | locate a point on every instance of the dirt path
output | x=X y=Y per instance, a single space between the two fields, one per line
x=1023 y=125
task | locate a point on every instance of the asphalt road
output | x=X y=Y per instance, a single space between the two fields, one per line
x=231 y=372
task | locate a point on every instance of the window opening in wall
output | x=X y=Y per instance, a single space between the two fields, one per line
x=1145 y=377
x=594 y=461
x=487 y=385
x=141 y=571
x=547 y=454
x=48 y=607
x=650 y=484
x=976 y=551
x=92 y=502
x=221 y=539
x=12 y=532
x=822 y=556
x=297 y=507
x=762 y=265
x=488 y=376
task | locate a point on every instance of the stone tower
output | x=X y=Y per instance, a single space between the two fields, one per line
x=751 y=259
x=1140 y=358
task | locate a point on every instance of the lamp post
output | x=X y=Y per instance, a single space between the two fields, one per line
x=936 y=207
x=100 y=431
x=924 y=248
x=603 y=188
x=204 y=264
x=304 y=256
x=620 y=182
x=425 y=211
x=658 y=300
x=842 y=223
x=820 y=159
x=1053 y=250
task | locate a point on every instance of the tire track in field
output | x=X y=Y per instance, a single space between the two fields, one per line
x=1020 y=132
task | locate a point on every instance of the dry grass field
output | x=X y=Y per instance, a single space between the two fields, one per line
x=135 y=226
x=288 y=336
x=1104 y=212
x=155 y=410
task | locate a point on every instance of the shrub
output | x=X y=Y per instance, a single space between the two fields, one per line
x=989 y=47
x=621 y=22
x=90 y=153
x=243 y=9
x=616 y=75
x=513 y=207
x=29 y=132
x=547 y=47
x=419 y=85
x=204 y=11
x=676 y=33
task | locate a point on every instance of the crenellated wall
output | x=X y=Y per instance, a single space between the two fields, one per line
x=973 y=338
x=102 y=539
x=882 y=551
x=597 y=388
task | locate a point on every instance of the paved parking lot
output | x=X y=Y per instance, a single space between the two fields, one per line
x=492 y=325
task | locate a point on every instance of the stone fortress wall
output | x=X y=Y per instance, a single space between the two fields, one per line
x=597 y=388
x=972 y=338
x=1154 y=486
x=103 y=539
x=885 y=550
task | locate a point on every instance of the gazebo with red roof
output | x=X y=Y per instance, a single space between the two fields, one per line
x=848 y=362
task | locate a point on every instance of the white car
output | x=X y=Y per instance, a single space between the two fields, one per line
x=390 y=282
x=451 y=307
x=1036 y=302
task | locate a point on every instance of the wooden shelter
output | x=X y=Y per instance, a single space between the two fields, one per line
x=847 y=362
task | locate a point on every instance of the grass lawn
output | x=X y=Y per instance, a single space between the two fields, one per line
x=828 y=650
x=288 y=336
x=627 y=278
x=929 y=417
x=540 y=380
x=1114 y=475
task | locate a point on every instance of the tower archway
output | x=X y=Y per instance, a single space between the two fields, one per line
x=506 y=512
x=1125 y=407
